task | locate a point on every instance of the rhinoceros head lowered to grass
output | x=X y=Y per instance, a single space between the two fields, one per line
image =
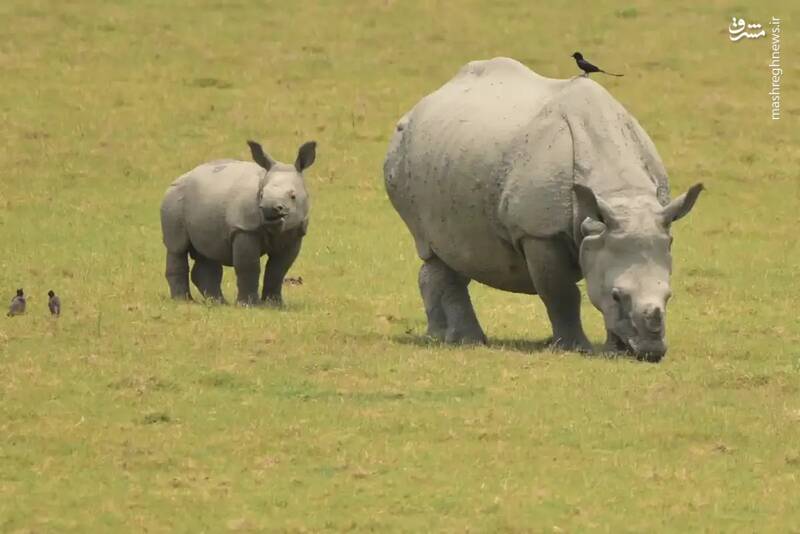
x=626 y=261
x=283 y=199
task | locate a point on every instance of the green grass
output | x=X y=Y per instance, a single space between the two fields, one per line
x=132 y=412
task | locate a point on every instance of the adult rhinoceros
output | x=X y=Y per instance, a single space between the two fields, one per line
x=528 y=184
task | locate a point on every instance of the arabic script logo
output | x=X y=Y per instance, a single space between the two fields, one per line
x=737 y=27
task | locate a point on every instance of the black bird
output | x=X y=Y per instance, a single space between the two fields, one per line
x=17 y=304
x=587 y=67
x=54 y=303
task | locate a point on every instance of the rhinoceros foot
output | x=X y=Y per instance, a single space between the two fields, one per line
x=576 y=344
x=465 y=337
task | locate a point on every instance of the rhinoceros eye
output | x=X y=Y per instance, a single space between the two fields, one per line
x=292 y=195
x=616 y=294
x=619 y=296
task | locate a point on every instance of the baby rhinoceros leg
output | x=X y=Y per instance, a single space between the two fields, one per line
x=177 y=274
x=431 y=287
x=247 y=264
x=451 y=316
x=207 y=277
x=278 y=265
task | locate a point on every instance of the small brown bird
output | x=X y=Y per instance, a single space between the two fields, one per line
x=54 y=303
x=17 y=304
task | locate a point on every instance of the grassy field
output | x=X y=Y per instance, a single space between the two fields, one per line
x=134 y=413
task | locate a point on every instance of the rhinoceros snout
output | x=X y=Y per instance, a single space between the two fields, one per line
x=275 y=211
x=654 y=320
x=649 y=351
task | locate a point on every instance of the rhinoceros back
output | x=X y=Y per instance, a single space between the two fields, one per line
x=209 y=204
x=444 y=167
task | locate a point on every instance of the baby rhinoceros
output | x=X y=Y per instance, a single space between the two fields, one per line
x=230 y=212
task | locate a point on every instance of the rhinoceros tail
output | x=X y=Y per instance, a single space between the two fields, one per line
x=394 y=154
x=173 y=227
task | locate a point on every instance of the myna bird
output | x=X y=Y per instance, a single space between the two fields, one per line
x=54 y=303
x=17 y=304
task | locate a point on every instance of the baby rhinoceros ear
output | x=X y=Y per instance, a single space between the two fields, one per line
x=259 y=156
x=306 y=156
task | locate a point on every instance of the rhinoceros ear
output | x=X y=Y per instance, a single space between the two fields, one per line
x=682 y=205
x=592 y=206
x=591 y=227
x=306 y=156
x=259 y=156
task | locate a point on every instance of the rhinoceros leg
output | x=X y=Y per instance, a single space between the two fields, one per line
x=247 y=264
x=177 y=274
x=554 y=276
x=447 y=304
x=207 y=277
x=278 y=265
x=431 y=289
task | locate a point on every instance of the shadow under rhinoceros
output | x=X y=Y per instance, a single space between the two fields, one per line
x=519 y=345
x=524 y=346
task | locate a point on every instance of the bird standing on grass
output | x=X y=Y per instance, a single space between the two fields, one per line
x=587 y=67
x=54 y=303
x=17 y=304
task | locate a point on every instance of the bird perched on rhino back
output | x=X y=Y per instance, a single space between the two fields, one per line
x=17 y=306
x=54 y=303
x=231 y=212
x=587 y=67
